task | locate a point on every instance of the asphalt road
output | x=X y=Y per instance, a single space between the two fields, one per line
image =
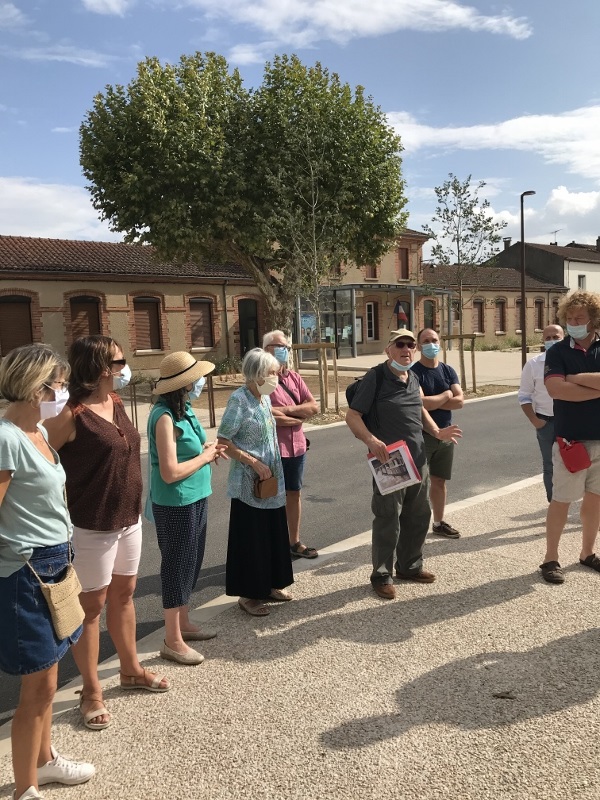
x=498 y=448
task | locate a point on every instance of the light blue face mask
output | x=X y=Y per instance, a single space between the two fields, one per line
x=549 y=342
x=401 y=367
x=430 y=350
x=281 y=354
x=122 y=380
x=196 y=389
x=577 y=331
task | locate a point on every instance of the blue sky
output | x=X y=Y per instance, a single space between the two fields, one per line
x=508 y=94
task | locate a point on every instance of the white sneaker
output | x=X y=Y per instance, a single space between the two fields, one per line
x=28 y=794
x=63 y=770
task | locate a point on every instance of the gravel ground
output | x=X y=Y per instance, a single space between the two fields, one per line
x=482 y=685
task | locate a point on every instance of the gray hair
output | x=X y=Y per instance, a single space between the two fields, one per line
x=268 y=337
x=257 y=364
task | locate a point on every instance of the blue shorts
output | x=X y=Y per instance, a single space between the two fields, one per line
x=293 y=470
x=28 y=641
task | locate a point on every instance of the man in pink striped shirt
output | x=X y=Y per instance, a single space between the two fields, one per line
x=292 y=403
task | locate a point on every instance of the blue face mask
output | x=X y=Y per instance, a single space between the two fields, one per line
x=196 y=389
x=577 y=331
x=401 y=367
x=549 y=342
x=122 y=380
x=430 y=350
x=281 y=354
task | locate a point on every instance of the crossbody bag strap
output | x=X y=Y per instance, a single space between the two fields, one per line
x=289 y=393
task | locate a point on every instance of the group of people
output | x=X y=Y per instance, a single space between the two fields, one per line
x=73 y=486
x=71 y=489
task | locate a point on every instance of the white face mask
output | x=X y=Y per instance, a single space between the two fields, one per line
x=196 y=390
x=52 y=408
x=122 y=380
x=271 y=382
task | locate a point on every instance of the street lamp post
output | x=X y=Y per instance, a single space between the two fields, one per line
x=523 y=293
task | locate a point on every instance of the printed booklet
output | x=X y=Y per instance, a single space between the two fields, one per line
x=397 y=473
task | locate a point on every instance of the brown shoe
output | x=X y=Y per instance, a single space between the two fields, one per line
x=422 y=576
x=387 y=591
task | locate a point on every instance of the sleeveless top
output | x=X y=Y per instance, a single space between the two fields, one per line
x=104 y=476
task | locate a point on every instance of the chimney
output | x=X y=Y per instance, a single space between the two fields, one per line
x=507 y=240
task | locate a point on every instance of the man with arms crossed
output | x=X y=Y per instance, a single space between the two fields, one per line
x=292 y=403
x=378 y=418
x=442 y=394
x=572 y=374
x=537 y=405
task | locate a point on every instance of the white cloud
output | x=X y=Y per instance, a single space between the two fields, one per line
x=251 y=53
x=11 y=16
x=60 y=52
x=569 y=139
x=563 y=202
x=31 y=208
x=63 y=130
x=302 y=23
x=115 y=7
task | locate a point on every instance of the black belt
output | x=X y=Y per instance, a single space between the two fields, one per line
x=543 y=416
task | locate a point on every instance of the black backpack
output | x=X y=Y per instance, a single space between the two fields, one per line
x=352 y=388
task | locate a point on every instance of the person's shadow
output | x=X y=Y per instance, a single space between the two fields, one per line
x=485 y=691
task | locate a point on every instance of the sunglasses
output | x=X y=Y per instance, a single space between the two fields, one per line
x=121 y=361
x=402 y=345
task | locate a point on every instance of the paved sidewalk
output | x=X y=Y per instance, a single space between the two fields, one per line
x=483 y=685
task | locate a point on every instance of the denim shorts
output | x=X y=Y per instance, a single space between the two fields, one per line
x=29 y=643
x=293 y=471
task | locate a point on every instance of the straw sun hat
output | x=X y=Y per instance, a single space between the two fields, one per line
x=178 y=370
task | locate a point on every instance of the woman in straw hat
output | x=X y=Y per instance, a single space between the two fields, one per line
x=259 y=564
x=100 y=451
x=34 y=528
x=180 y=477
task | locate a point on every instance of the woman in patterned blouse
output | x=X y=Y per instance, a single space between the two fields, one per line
x=258 y=555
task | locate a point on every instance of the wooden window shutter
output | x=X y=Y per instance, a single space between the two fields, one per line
x=146 y=317
x=85 y=317
x=403 y=263
x=201 y=322
x=15 y=323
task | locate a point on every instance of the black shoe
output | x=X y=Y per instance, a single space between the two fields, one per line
x=552 y=572
x=443 y=529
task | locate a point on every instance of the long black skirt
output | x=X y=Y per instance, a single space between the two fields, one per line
x=258 y=551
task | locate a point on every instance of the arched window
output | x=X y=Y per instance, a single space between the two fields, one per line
x=201 y=322
x=478 y=316
x=15 y=322
x=539 y=315
x=500 y=317
x=429 y=314
x=85 y=316
x=146 y=318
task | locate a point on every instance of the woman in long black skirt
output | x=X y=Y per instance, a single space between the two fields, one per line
x=259 y=565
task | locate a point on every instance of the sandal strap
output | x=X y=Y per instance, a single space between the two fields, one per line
x=141 y=680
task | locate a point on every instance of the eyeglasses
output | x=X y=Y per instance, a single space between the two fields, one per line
x=274 y=344
x=121 y=361
x=401 y=345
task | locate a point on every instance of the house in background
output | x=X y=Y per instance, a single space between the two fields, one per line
x=576 y=266
x=365 y=303
x=492 y=301
x=54 y=290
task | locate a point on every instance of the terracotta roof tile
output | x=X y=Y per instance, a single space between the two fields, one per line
x=577 y=253
x=22 y=253
x=491 y=278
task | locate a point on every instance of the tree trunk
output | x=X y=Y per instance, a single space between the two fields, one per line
x=461 y=343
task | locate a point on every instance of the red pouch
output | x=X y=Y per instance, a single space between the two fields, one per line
x=574 y=455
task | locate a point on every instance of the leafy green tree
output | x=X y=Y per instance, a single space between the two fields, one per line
x=465 y=236
x=289 y=180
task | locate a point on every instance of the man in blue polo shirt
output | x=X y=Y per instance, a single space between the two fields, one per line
x=572 y=378
x=442 y=394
